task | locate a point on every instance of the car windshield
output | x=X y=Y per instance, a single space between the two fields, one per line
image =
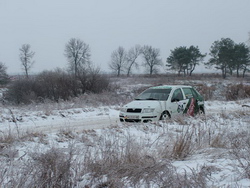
x=154 y=94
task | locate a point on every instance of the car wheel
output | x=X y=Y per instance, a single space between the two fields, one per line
x=165 y=116
x=201 y=111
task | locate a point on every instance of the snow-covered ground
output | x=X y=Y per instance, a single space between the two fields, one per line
x=92 y=118
x=80 y=144
x=75 y=119
x=210 y=153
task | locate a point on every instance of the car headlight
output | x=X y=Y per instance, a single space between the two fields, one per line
x=123 y=110
x=148 y=110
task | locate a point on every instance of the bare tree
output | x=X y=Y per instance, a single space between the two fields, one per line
x=26 y=56
x=151 y=58
x=118 y=60
x=3 y=75
x=78 y=55
x=132 y=56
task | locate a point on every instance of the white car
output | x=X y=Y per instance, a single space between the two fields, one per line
x=161 y=103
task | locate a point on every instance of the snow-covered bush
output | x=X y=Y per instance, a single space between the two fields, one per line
x=237 y=91
x=55 y=86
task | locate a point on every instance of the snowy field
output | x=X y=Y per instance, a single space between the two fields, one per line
x=51 y=145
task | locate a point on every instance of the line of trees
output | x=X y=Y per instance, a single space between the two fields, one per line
x=228 y=56
x=225 y=55
x=184 y=60
x=123 y=61
x=79 y=77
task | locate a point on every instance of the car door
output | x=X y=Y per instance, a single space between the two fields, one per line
x=178 y=102
x=192 y=107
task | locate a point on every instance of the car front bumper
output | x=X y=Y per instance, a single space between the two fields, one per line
x=135 y=117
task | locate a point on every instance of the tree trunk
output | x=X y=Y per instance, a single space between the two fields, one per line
x=151 y=70
x=179 y=72
x=231 y=71
x=129 y=70
x=224 y=73
x=118 y=72
x=26 y=73
x=237 y=71
x=191 y=71
x=244 y=71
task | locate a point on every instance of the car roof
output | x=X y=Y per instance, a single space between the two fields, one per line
x=170 y=86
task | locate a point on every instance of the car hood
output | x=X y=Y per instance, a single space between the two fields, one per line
x=143 y=104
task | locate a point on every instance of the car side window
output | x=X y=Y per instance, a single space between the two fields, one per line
x=195 y=94
x=177 y=95
x=188 y=93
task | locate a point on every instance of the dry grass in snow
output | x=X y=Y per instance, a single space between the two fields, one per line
x=59 y=144
x=209 y=151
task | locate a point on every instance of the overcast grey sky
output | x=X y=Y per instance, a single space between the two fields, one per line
x=47 y=25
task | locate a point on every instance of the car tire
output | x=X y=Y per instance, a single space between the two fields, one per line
x=165 y=116
x=201 y=111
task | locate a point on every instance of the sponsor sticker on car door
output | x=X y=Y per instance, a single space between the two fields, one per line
x=192 y=107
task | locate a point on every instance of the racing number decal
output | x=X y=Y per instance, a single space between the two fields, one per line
x=180 y=107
